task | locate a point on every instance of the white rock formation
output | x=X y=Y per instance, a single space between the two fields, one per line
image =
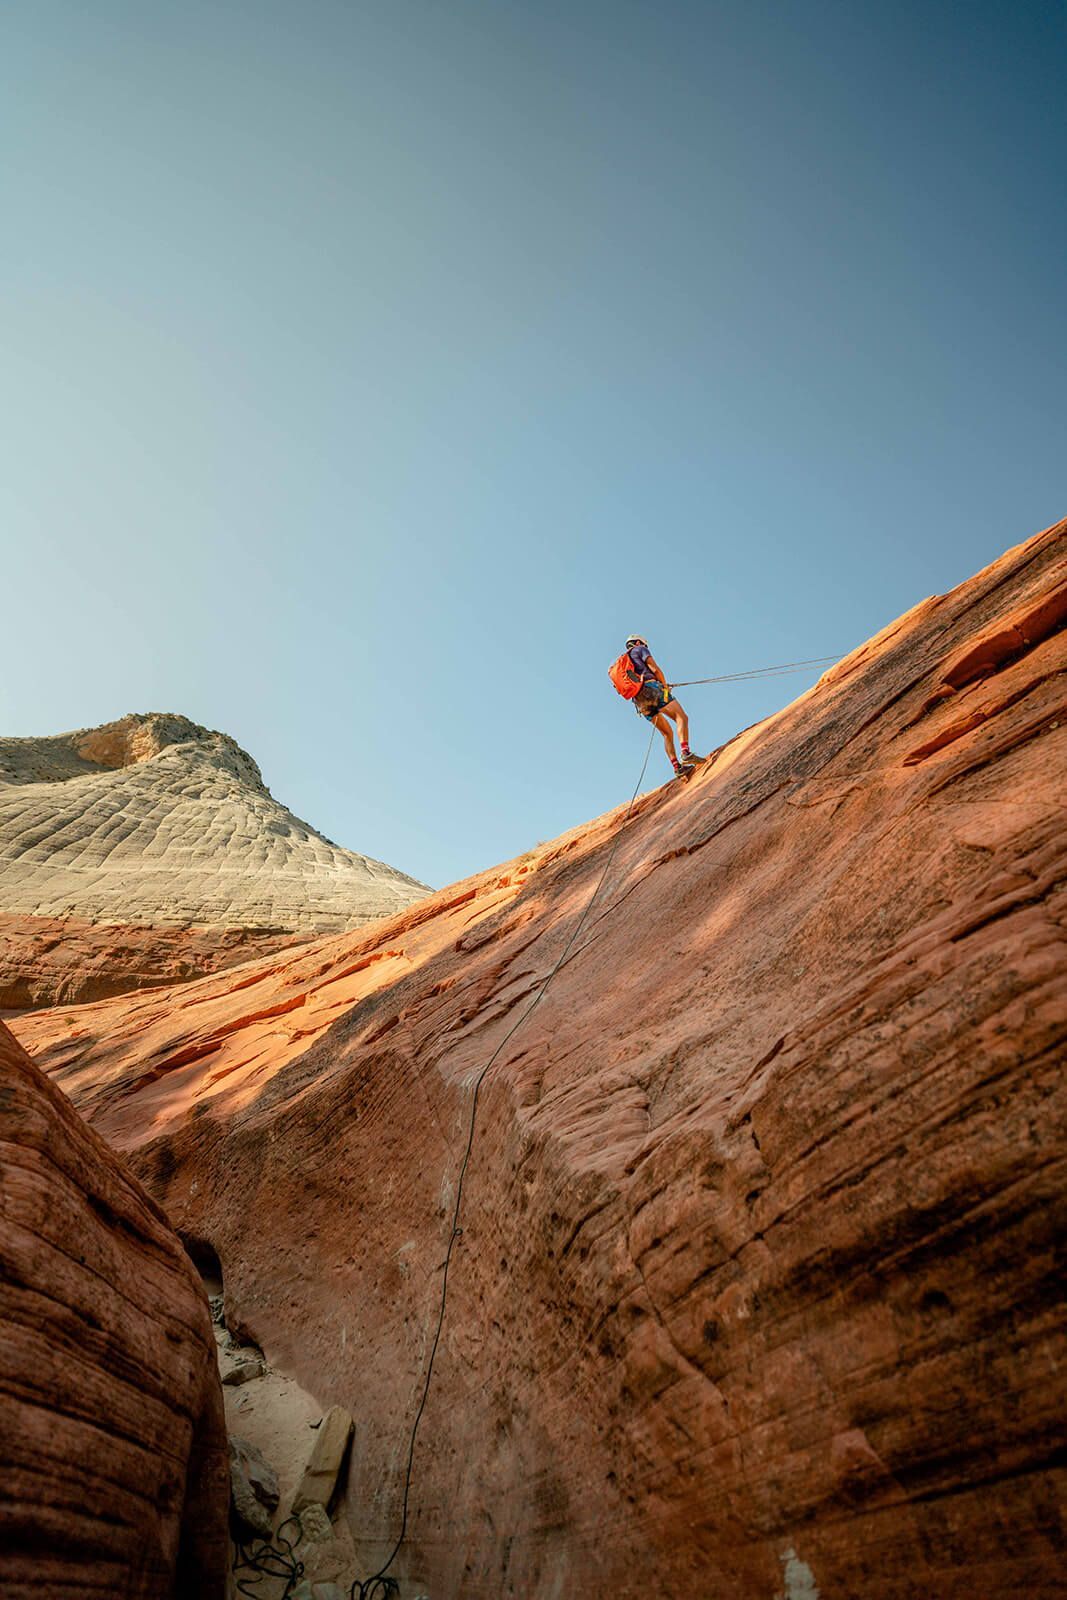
x=154 y=819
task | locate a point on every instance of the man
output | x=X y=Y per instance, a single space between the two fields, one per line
x=655 y=702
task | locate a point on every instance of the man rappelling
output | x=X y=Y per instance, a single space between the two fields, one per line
x=638 y=677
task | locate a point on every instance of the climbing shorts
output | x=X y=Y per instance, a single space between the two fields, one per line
x=651 y=698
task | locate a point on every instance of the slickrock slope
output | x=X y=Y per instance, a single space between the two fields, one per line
x=113 y=1466
x=756 y=1291
x=156 y=822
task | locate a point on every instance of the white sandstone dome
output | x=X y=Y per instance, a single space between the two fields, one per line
x=155 y=819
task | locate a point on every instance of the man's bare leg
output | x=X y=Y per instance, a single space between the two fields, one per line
x=675 y=712
x=666 y=730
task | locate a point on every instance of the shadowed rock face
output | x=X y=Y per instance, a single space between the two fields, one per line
x=114 y=1471
x=156 y=822
x=756 y=1292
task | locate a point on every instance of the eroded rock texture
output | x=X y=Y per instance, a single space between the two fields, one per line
x=113 y=1467
x=756 y=1290
x=64 y=961
x=156 y=822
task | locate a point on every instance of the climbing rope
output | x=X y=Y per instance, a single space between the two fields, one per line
x=380 y=1587
x=759 y=672
x=266 y=1558
x=278 y=1560
x=377 y=1588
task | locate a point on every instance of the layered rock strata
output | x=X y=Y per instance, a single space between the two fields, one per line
x=64 y=961
x=756 y=1293
x=114 y=1473
x=158 y=823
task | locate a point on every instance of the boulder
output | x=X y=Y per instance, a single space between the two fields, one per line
x=254 y=1489
x=327 y=1456
x=315 y=1524
x=243 y=1372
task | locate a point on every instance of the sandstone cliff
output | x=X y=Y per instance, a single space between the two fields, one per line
x=156 y=822
x=756 y=1290
x=113 y=1450
x=50 y=961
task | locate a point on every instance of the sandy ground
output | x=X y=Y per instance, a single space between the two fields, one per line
x=275 y=1414
x=279 y=1418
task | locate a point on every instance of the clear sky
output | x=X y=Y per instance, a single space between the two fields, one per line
x=371 y=368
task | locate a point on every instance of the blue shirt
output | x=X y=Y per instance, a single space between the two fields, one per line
x=641 y=655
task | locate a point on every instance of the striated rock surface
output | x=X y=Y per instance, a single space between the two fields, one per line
x=64 y=961
x=156 y=822
x=112 y=1443
x=757 y=1292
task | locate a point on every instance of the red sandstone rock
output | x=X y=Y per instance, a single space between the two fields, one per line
x=756 y=1292
x=113 y=1469
x=50 y=961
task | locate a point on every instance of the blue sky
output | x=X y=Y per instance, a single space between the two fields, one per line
x=371 y=369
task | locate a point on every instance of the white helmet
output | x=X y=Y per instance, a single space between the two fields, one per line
x=635 y=638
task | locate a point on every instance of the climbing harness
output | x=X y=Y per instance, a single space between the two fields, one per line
x=629 y=683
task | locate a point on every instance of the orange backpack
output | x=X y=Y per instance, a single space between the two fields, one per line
x=626 y=680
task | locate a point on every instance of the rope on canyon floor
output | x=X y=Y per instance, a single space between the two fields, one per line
x=269 y=1558
x=381 y=1587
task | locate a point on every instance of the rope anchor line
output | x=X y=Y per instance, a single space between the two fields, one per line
x=759 y=672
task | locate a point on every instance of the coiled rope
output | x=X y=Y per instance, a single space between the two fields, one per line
x=269 y=1558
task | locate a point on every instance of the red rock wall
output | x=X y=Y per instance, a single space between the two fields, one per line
x=113 y=1473
x=65 y=961
x=756 y=1294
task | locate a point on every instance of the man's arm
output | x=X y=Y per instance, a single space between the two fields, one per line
x=655 y=670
